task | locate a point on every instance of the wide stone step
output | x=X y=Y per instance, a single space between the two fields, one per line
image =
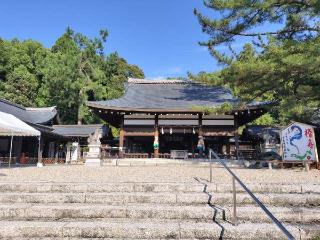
x=276 y=199
x=94 y=211
x=221 y=199
x=254 y=214
x=106 y=198
x=266 y=188
x=82 y=187
x=146 y=229
x=144 y=211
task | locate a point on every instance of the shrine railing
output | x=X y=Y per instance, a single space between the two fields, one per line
x=235 y=179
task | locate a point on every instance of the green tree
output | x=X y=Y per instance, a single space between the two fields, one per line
x=298 y=20
x=286 y=73
x=59 y=87
x=211 y=79
x=20 y=86
x=18 y=71
x=279 y=66
x=73 y=71
x=265 y=120
x=79 y=65
x=117 y=71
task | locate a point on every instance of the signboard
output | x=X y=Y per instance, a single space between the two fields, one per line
x=298 y=143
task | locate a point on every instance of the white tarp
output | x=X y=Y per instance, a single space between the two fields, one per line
x=12 y=126
x=298 y=142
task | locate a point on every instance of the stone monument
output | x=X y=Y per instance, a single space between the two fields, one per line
x=93 y=158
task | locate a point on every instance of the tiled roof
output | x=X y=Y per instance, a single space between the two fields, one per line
x=257 y=131
x=79 y=130
x=168 y=94
x=30 y=115
x=158 y=81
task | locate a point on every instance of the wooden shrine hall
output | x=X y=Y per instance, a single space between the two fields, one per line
x=158 y=117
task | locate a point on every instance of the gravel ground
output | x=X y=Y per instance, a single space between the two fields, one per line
x=75 y=173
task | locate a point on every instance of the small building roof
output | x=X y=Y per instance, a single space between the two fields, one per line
x=13 y=126
x=174 y=95
x=79 y=130
x=257 y=131
x=30 y=115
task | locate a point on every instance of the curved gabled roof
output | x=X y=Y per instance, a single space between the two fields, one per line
x=167 y=95
x=80 y=130
x=31 y=115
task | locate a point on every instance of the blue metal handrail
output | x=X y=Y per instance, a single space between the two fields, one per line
x=260 y=204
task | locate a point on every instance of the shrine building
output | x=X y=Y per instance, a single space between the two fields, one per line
x=156 y=117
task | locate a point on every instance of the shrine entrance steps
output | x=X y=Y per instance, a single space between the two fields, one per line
x=199 y=210
x=165 y=162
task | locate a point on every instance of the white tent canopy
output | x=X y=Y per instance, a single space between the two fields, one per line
x=12 y=126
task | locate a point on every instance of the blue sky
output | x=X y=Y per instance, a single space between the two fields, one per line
x=160 y=36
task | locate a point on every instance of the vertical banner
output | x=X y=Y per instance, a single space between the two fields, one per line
x=298 y=143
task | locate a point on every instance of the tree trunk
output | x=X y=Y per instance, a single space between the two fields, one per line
x=79 y=108
x=79 y=116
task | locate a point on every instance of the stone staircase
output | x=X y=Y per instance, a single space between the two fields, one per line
x=97 y=210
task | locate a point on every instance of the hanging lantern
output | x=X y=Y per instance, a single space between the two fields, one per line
x=170 y=130
x=184 y=131
x=162 y=132
x=193 y=131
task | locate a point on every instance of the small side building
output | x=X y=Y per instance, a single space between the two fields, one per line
x=78 y=135
x=25 y=149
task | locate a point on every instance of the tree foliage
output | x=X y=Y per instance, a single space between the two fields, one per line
x=299 y=19
x=286 y=72
x=74 y=70
x=18 y=70
x=279 y=66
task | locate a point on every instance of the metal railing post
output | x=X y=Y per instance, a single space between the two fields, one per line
x=210 y=158
x=260 y=204
x=234 y=191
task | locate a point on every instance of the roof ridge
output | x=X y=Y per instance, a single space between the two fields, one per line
x=40 y=108
x=76 y=125
x=12 y=104
x=157 y=81
x=27 y=108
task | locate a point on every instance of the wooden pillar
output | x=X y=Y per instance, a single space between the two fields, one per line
x=57 y=151
x=200 y=125
x=156 y=137
x=121 y=138
x=228 y=148
x=68 y=153
x=236 y=138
